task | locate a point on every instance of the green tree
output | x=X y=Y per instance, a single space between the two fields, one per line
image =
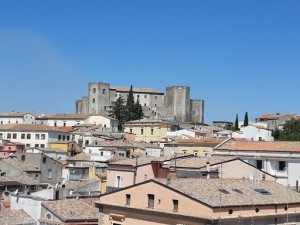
x=130 y=109
x=290 y=131
x=236 y=124
x=246 y=119
x=138 y=109
x=119 y=112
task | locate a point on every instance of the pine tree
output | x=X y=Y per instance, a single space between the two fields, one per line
x=236 y=124
x=130 y=110
x=246 y=119
x=138 y=109
x=119 y=112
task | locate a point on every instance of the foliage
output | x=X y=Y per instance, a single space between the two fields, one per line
x=246 y=121
x=127 y=112
x=130 y=106
x=119 y=112
x=290 y=131
x=236 y=124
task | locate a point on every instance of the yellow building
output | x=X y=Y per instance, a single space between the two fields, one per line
x=66 y=146
x=147 y=130
x=197 y=147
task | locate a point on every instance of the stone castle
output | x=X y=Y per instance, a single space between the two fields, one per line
x=175 y=105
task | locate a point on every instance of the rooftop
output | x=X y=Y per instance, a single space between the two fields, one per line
x=72 y=210
x=14 y=114
x=136 y=89
x=257 y=193
x=244 y=145
x=17 y=180
x=65 y=116
x=21 y=165
x=15 y=217
x=72 y=185
x=29 y=127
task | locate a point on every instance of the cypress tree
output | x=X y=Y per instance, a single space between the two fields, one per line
x=138 y=109
x=130 y=106
x=246 y=119
x=236 y=124
x=119 y=112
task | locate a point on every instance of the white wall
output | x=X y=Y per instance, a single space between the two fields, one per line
x=255 y=134
x=26 y=119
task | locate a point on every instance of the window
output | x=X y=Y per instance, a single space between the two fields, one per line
x=22 y=157
x=224 y=191
x=128 y=199
x=64 y=137
x=259 y=164
x=230 y=211
x=36 y=145
x=42 y=146
x=44 y=160
x=130 y=130
x=142 y=131
x=59 y=137
x=14 y=136
x=28 y=136
x=101 y=153
x=27 y=145
x=238 y=191
x=64 y=124
x=155 y=97
x=184 y=152
x=152 y=131
x=94 y=100
x=118 y=184
x=1 y=135
x=55 y=124
x=145 y=104
x=281 y=165
x=155 y=105
x=103 y=91
x=49 y=173
x=37 y=137
x=196 y=153
x=138 y=96
x=1 y=122
x=262 y=191
x=8 y=135
x=150 y=201
x=94 y=90
x=43 y=136
x=145 y=96
x=68 y=138
x=175 y=205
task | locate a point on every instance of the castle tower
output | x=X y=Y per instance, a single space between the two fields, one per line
x=177 y=102
x=197 y=111
x=99 y=97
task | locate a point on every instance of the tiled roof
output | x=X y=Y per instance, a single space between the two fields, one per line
x=25 y=180
x=243 y=145
x=13 y=114
x=72 y=185
x=67 y=116
x=21 y=165
x=72 y=210
x=200 y=162
x=274 y=116
x=15 y=217
x=135 y=89
x=146 y=121
x=207 y=191
x=199 y=141
x=29 y=127
x=141 y=160
x=82 y=157
x=116 y=144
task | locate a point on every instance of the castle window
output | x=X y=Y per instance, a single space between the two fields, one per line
x=142 y=131
x=103 y=91
x=155 y=97
x=94 y=90
x=145 y=96
x=152 y=131
x=94 y=100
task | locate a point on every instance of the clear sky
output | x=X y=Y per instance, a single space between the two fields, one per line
x=236 y=55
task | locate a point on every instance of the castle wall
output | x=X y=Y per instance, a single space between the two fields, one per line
x=85 y=105
x=78 y=105
x=197 y=111
x=99 y=97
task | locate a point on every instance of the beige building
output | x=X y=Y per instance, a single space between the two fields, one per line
x=147 y=130
x=200 y=201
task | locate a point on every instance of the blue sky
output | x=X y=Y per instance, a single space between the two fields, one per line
x=236 y=55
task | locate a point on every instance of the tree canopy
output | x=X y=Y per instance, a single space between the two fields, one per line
x=236 y=124
x=290 y=131
x=127 y=112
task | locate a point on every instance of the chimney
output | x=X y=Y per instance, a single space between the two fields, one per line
x=297 y=185
x=168 y=180
x=208 y=169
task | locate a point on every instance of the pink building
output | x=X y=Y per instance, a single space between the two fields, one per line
x=10 y=148
x=200 y=202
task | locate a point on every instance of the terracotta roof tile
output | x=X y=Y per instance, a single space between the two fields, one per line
x=15 y=217
x=72 y=210
x=29 y=127
x=25 y=180
x=14 y=114
x=21 y=165
x=207 y=191
x=135 y=89
x=243 y=145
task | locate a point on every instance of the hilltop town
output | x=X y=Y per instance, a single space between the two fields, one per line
x=166 y=167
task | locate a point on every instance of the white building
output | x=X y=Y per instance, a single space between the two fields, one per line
x=33 y=135
x=278 y=158
x=257 y=133
x=61 y=120
x=17 y=118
